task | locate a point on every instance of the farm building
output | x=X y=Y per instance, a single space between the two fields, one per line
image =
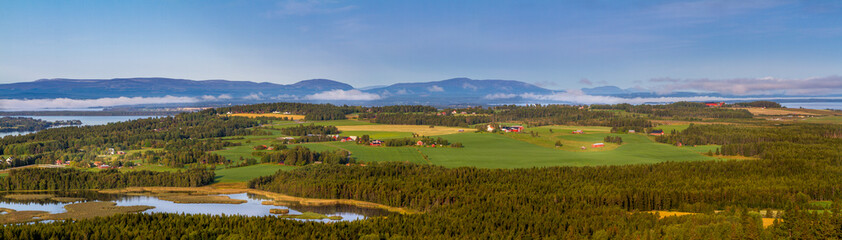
x=419 y=143
x=376 y=143
x=631 y=131
x=347 y=139
x=490 y=128
x=657 y=132
x=512 y=129
x=578 y=132
x=598 y=145
x=714 y=104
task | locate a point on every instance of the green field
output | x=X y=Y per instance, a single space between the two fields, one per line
x=377 y=134
x=677 y=127
x=243 y=174
x=498 y=151
x=487 y=150
x=826 y=119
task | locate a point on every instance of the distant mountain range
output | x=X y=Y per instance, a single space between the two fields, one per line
x=156 y=87
x=457 y=91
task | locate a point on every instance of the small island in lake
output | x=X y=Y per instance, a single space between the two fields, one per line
x=26 y=124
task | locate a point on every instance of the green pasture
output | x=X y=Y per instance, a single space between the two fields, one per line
x=826 y=119
x=367 y=153
x=243 y=174
x=499 y=151
x=668 y=128
x=377 y=134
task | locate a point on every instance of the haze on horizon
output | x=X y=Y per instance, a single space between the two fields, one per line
x=675 y=45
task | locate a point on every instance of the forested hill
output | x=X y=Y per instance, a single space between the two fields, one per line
x=158 y=87
x=26 y=124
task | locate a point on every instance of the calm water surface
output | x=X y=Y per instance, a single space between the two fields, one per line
x=252 y=206
x=86 y=121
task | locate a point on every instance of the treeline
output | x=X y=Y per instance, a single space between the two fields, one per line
x=425 y=119
x=765 y=104
x=300 y=156
x=310 y=111
x=805 y=142
x=312 y=129
x=401 y=109
x=399 y=142
x=680 y=110
x=26 y=124
x=68 y=179
x=613 y=139
x=565 y=202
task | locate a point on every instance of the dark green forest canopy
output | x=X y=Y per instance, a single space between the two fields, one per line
x=74 y=179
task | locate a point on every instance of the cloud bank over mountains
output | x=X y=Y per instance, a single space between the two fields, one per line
x=67 y=103
x=753 y=86
x=144 y=91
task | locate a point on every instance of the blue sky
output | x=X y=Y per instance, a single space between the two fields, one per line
x=555 y=44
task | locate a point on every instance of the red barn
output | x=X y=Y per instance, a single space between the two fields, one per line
x=598 y=145
x=376 y=143
x=714 y=104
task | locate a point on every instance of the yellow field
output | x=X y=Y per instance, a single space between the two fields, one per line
x=782 y=111
x=768 y=222
x=663 y=214
x=421 y=130
x=272 y=115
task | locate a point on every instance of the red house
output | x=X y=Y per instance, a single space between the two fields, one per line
x=657 y=132
x=512 y=129
x=714 y=104
x=376 y=143
x=598 y=145
x=419 y=143
x=578 y=132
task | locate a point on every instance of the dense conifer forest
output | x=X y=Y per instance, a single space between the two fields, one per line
x=73 y=179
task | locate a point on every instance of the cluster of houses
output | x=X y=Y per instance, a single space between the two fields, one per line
x=453 y=113
x=112 y=152
x=264 y=147
x=516 y=128
x=345 y=139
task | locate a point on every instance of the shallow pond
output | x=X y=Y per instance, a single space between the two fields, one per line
x=251 y=207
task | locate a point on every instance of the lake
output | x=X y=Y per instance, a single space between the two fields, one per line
x=813 y=105
x=86 y=121
x=252 y=207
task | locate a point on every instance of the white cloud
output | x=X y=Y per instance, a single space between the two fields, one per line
x=67 y=103
x=215 y=98
x=338 y=94
x=435 y=88
x=500 y=96
x=254 y=96
x=579 y=97
x=469 y=86
x=285 y=97
x=744 y=86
